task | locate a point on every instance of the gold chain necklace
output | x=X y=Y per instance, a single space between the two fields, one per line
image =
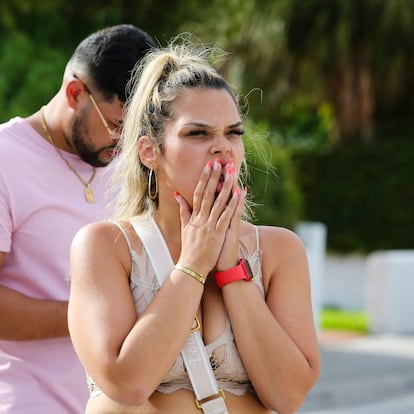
x=90 y=198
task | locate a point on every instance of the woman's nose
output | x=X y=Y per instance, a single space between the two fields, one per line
x=221 y=145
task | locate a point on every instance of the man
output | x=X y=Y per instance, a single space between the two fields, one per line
x=51 y=184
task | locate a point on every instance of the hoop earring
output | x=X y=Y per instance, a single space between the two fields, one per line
x=152 y=178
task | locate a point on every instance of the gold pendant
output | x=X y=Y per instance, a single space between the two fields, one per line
x=89 y=194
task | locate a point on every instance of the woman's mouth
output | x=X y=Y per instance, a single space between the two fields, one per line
x=220 y=184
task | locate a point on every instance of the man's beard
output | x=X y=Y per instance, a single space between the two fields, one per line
x=85 y=152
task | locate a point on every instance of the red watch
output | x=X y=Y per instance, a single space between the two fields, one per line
x=240 y=272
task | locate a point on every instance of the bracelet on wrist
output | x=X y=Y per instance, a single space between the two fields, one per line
x=197 y=276
x=240 y=272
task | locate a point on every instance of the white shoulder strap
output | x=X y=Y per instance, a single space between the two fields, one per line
x=194 y=353
x=155 y=246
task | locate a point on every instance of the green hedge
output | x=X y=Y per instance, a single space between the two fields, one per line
x=364 y=193
x=339 y=319
x=272 y=183
x=29 y=74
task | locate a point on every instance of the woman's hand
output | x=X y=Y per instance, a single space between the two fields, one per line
x=205 y=228
x=229 y=255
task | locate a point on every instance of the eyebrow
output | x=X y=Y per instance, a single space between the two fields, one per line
x=204 y=125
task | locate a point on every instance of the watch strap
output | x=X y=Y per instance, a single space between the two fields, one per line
x=234 y=274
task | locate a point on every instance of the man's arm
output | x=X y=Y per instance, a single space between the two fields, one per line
x=25 y=318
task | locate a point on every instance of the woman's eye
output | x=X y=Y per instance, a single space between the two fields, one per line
x=196 y=132
x=238 y=132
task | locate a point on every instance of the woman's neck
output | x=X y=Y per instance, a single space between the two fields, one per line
x=170 y=225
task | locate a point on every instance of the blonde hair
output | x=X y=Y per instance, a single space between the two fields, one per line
x=158 y=79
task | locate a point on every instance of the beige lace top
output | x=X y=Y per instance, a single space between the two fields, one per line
x=224 y=357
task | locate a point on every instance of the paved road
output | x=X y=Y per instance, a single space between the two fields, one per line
x=365 y=375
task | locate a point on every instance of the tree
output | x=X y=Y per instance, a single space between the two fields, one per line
x=37 y=38
x=303 y=64
x=361 y=49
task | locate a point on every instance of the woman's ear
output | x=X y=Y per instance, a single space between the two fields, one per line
x=147 y=152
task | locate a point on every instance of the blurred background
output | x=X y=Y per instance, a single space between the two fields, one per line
x=328 y=89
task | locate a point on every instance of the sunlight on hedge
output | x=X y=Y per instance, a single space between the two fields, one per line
x=344 y=320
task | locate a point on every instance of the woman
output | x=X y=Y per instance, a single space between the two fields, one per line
x=182 y=152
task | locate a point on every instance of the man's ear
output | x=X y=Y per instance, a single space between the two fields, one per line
x=148 y=152
x=73 y=90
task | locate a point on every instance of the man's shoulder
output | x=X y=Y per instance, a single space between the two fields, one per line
x=14 y=139
x=12 y=130
x=11 y=125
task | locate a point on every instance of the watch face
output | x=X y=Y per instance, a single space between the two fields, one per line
x=248 y=268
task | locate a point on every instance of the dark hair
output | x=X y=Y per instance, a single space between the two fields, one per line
x=108 y=56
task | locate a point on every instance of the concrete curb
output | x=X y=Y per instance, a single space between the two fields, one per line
x=361 y=374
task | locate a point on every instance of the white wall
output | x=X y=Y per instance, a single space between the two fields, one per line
x=336 y=280
x=344 y=282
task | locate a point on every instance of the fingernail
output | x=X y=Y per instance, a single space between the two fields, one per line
x=230 y=165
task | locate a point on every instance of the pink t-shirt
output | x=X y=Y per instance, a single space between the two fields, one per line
x=42 y=205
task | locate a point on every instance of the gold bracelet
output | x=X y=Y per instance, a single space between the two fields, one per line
x=192 y=273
